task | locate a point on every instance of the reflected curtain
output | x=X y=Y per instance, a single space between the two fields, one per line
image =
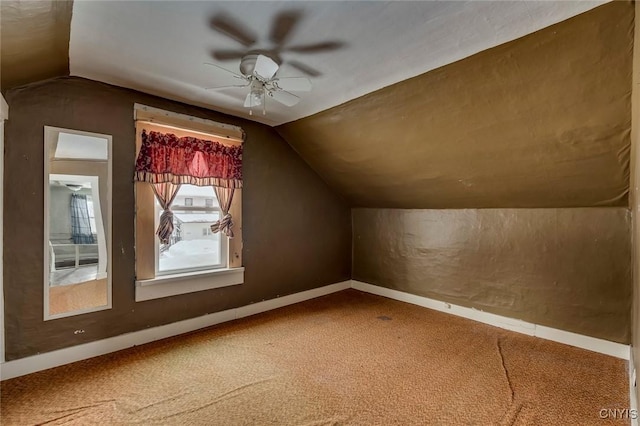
x=80 y=222
x=166 y=158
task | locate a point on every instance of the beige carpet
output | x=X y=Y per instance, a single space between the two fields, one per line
x=347 y=358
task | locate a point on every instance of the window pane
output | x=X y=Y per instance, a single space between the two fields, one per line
x=192 y=244
x=92 y=215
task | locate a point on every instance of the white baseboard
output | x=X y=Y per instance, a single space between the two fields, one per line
x=64 y=356
x=606 y=347
x=31 y=364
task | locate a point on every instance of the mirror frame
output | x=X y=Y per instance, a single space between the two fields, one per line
x=51 y=138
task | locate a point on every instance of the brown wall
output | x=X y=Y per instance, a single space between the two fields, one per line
x=542 y=121
x=296 y=231
x=541 y=124
x=35 y=40
x=567 y=268
x=634 y=196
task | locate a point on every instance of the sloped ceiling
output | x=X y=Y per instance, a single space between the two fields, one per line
x=161 y=47
x=543 y=121
x=35 y=41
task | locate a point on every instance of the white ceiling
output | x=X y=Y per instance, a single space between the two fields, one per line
x=160 y=47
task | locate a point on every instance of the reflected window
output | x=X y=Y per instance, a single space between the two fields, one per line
x=92 y=215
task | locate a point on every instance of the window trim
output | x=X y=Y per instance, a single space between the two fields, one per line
x=189 y=282
x=149 y=285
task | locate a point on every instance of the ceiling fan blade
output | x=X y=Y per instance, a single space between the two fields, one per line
x=285 y=98
x=236 y=75
x=311 y=72
x=293 y=84
x=232 y=86
x=225 y=55
x=325 y=46
x=252 y=101
x=225 y=24
x=283 y=25
x=265 y=67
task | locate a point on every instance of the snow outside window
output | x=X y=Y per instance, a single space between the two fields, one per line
x=192 y=246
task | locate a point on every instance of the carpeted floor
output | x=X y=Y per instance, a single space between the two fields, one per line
x=346 y=358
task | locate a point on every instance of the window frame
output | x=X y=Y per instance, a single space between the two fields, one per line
x=149 y=284
x=92 y=216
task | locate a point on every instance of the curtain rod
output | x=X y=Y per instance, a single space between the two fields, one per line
x=160 y=124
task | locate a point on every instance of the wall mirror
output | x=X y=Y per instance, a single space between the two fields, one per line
x=77 y=222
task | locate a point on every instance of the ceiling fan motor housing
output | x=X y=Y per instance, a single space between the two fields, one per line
x=248 y=64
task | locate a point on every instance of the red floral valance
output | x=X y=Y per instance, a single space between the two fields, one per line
x=164 y=157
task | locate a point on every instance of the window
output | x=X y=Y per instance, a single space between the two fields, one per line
x=192 y=246
x=92 y=215
x=193 y=258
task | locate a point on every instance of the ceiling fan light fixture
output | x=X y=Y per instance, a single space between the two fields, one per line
x=74 y=187
x=256 y=97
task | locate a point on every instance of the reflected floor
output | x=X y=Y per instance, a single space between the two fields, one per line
x=73 y=275
x=73 y=297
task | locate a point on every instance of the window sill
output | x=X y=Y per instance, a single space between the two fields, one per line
x=173 y=285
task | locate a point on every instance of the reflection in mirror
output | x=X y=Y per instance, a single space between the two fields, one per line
x=77 y=222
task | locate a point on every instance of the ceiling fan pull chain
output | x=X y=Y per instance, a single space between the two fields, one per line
x=264 y=102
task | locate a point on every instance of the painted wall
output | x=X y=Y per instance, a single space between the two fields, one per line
x=4 y=114
x=536 y=134
x=297 y=232
x=566 y=268
x=35 y=40
x=542 y=121
x=634 y=196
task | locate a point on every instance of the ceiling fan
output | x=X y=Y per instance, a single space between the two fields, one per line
x=283 y=27
x=258 y=73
